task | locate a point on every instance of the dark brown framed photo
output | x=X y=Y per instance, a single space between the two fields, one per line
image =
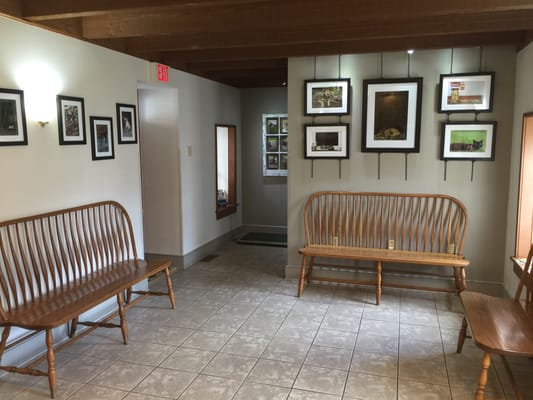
x=71 y=120
x=327 y=97
x=12 y=118
x=391 y=115
x=471 y=141
x=126 y=123
x=471 y=92
x=327 y=141
x=102 y=138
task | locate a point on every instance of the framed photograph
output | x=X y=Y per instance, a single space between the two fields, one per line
x=472 y=92
x=71 y=120
x=391 y=115
x=327 y=97
x=468 y=140
x=284 y=125
x=12 y=118
x=126 y=123
x=102 y=138
x=275 y=144
x=327 y=141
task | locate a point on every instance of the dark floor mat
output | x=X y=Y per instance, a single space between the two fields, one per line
x=264 y=239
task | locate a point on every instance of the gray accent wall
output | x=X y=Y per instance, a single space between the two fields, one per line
x=264 y=197
x=485 y=197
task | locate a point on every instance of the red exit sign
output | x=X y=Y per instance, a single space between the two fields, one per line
x=159 y=72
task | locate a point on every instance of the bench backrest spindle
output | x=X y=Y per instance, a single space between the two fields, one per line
x=415 y=222
x=43 y=253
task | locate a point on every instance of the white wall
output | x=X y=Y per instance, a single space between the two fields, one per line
x=159 y=142
x=523 y=103
x=485 y=197
x=202 y=104
x=43 y=175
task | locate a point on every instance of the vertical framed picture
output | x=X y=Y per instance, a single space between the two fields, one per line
x=391 y=115
x=327 y=141
x=12 y=118
x=327 y=97
x=102 y=138
x=275 y=144
x=468 y=141
x=126 y=123
x=71 y=120
x=472 y=92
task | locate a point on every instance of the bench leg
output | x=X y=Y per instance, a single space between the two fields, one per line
x=485 y=364
x=73 y=327
x=379 y=282
x=5 y=335
x=122 y=315
x=170 y=290
x=302 y=276
x=462 y=336
x=50 y=355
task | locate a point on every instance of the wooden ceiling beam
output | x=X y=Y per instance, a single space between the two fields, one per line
x=41 y=10
x=297 y=14
x=340 y=47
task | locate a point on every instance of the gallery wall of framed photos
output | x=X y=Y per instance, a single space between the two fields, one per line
x=275 y=144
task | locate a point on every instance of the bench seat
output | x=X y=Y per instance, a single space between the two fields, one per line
x=69 y=301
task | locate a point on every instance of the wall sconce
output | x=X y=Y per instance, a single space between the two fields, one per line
x=41 y=84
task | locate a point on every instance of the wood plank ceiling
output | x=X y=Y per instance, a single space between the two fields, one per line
x=246 y=43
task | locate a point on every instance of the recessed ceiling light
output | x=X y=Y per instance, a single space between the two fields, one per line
x=410 y=51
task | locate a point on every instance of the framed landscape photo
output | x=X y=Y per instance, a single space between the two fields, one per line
x=391 y=115
x=126 y=123
x=471 y=92
x=327 y=141
x=71 y=120
x=102 y=138
x=12 y=118
x=468 y=140
x=327 y=97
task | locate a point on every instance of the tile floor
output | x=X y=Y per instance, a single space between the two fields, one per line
x=240 y=333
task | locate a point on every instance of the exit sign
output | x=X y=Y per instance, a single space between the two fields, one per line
x=159 y=72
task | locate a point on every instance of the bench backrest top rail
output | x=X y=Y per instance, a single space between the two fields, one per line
x=414 y=222
x=42 y=253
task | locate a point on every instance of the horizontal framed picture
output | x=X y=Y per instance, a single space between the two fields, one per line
x=126 y=123
x=468 y=140
x=12 y=118
x=71 y=120
x=327 y=97
x=391 y=115
x=102 y=138
x=471 y=92
x=327 y=141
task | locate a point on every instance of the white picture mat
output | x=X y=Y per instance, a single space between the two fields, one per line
x=311 y=132
x=344 y=85
x=448 y=129
x=473 y=85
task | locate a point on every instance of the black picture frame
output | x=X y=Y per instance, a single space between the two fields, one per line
x=468 y=92
x=126 y=123
x=13 y=130
x=71 y=120
x=391 y=115
x=468 y=141
x=327 y=141
x=327 y=97
x=102 y=145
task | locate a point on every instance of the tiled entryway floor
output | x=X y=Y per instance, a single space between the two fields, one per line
x=240 y=333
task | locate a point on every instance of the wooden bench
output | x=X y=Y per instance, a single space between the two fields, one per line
x=419 y=229
x=499 y=325
x=58 y=265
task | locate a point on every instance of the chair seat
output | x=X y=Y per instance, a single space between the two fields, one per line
x=498 y=325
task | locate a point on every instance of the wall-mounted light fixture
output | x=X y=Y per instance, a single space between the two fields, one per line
x=410 y=51
x=41 y=84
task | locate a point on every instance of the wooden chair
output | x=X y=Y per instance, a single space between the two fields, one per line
x=500 y=325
